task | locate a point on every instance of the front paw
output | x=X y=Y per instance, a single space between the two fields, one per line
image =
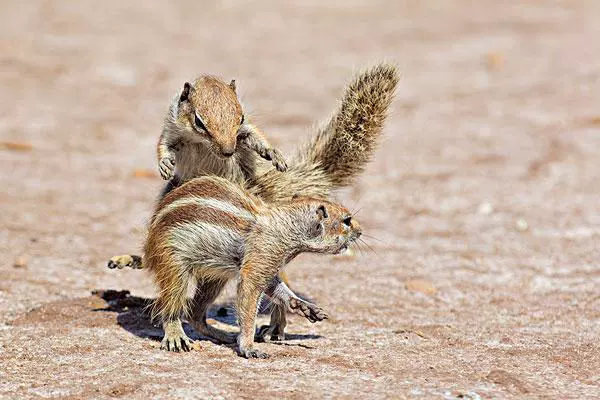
x=166 y=167
x=249 y=352
x=277 y=159
x=310 y=311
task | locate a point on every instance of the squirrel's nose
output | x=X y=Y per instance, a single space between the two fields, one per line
x=228 y=152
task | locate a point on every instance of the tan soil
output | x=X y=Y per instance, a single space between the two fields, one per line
x=483 y=279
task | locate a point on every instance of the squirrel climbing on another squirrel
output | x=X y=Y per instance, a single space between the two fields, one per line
x=209 y=230
x=206 y=133
x=331 y=159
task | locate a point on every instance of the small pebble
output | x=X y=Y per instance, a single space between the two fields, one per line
x=420 y=285
x=485 y=209
x=196 y=345
x=20 y=262
x=494 y=61
x=521 y=225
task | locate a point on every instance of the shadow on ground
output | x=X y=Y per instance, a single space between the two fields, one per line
x=133 y=315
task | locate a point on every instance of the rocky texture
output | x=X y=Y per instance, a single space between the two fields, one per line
x=482 y=203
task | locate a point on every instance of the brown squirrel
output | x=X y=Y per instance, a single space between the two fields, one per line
x=335 y=155
x=205 y=133
x=210 y=230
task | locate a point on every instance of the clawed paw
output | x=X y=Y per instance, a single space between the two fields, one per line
x=166 y=167
x=125 y=261
x=253 y=353
x=277 y=159
x=176 y=343
x=310 y=311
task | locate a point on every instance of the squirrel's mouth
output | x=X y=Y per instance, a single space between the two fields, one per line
x=222 y=156
x=346 y=244
x=342 y=249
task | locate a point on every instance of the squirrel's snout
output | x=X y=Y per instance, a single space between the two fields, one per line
x=227 y=150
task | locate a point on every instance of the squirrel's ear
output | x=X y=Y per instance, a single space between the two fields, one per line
x=232 y=85
x=322 y=212
x=185 y=93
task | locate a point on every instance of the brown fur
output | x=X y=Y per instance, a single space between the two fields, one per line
x=218 y=106
x=208 y=189
x=335 y=155
x=184 y=248
x=206 y=133
x=192 y=212
x=343 y=147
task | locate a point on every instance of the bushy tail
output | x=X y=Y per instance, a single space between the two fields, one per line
x=341 y=150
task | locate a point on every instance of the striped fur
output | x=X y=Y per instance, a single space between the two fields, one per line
x=209 y=231
x=332 y=159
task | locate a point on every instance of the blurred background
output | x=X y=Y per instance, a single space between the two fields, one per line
x=483 y=277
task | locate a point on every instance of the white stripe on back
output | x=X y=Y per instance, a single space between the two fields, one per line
x=204 y=202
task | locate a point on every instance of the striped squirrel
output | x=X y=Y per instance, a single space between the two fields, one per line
x=205 y=133
x=210 y=230
x=331 y=159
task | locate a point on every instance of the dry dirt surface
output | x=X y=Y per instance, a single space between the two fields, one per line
x=482 y=280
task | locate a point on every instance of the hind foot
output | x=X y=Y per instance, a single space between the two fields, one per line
x=310 y=311
x=125 y=261
x=175 y=338
x=250 y=352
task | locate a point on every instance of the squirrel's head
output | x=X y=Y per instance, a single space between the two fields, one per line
x=209 y=110
x=330 y=227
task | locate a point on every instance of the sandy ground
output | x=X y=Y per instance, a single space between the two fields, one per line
x=483 y=279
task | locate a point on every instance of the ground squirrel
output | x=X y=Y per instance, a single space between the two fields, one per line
x=210 y=230
x=335 y=155
x=205 y=133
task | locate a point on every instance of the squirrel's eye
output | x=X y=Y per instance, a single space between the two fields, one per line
x=242 y=121
x=347 y=221
x=199 y=123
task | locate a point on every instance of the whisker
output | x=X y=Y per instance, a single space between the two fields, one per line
x=374 y=238
x=359 y=249
x=385 y=242
x=369 y=247
x=353 y=213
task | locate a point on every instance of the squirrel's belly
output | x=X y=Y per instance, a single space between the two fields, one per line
x=195 y=160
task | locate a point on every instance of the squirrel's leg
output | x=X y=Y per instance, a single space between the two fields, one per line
x=206 y=292
x=253 y=281
x=170 y=304
x=256 y=141
x=284 y=298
